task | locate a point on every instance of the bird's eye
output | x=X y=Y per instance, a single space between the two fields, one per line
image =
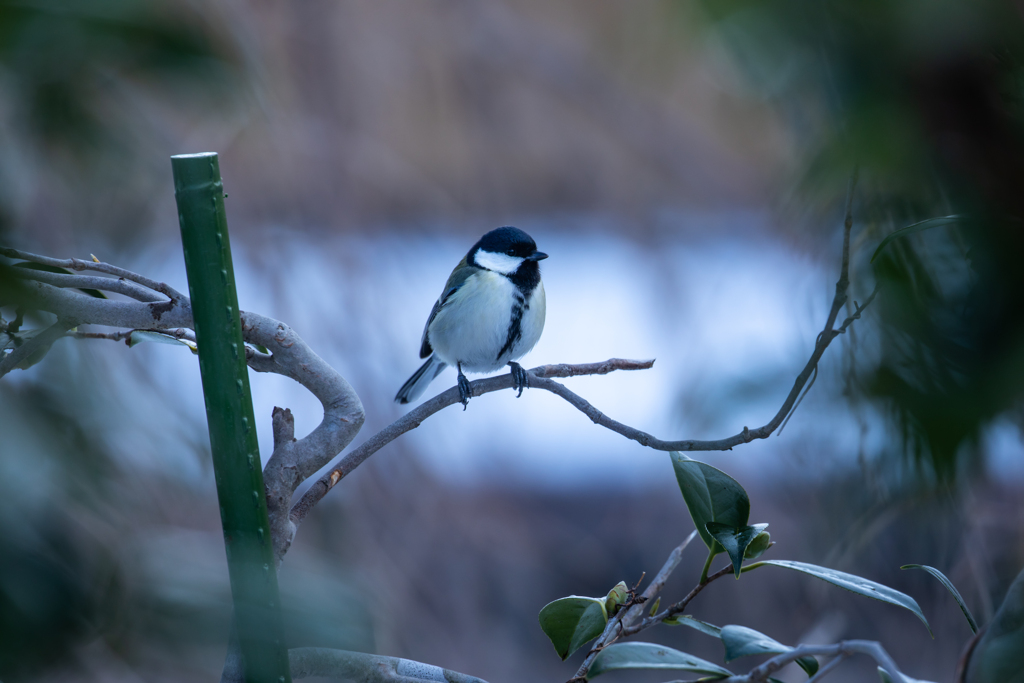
x=510 y=251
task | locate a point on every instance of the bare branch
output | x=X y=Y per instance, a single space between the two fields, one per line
x=112 y=336
x=626 y=617
x=125 y=335
x=292 y=462
x=97 y=266
x=295 y=461
x=415 y=417
x=357 y=666
x=859 y=309
x=284 y=427
x=106 y=284
x=72 y=304
x=679 y=607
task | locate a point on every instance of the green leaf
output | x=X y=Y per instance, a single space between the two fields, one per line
x=696 y=624
x=854 y=584
x=62 y=271
x=139 y=336
x=756 y=549
x=735 y=540
x=651 y=656
x=950 y=587
x=617 y=597
x=916 y=227
x=711 y=495
x=886 y=678
x=740 y=641
x=261 y=348
x=998 y=656
x=572 y=622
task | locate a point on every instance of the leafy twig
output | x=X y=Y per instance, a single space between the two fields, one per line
x=679 y=607
x=626 y=617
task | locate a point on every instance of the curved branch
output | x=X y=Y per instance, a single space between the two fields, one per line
x=292 y=462
x=415 y=417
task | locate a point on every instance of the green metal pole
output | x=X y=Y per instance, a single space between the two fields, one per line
x=236 y=458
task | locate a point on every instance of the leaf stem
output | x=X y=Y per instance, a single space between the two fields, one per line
x=707 y=566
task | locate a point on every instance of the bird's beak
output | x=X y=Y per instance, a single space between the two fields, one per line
x=537 y=256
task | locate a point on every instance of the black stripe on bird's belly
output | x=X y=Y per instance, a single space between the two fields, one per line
x=515 y=328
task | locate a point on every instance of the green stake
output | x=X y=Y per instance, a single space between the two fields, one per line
x=236 y=458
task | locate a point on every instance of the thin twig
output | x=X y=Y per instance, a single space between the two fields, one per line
x=833 y=664
x=125 y=335
x=626 y=617
x=859 y=309
x=106 y=284
x=121 y=335
x=807 y=389
x=97 y=266
x=415 y=417
x=679 y=607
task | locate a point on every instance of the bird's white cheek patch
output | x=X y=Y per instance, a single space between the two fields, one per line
x=499 y=263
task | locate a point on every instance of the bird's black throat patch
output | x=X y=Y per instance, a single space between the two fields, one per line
x=526 y=278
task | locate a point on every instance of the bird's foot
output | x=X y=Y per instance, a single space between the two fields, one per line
x=520 y=378
x=465 y=391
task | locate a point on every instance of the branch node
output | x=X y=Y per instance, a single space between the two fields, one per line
x=284 y=427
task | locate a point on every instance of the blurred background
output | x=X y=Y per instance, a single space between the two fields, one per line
x=685 y=164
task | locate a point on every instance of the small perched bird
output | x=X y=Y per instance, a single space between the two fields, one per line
x=490 y=313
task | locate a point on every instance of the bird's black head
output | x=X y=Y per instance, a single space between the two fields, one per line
x=509 y=241
x=506 y=250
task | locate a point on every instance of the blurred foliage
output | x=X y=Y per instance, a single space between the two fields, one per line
x=62 y=56
x=105 y=566
x=925 y=98
x=52 y=574
x=82 y=83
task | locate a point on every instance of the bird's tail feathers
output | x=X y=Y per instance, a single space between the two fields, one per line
x=417 y=384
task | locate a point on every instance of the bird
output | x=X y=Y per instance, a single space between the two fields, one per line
x=490 y=314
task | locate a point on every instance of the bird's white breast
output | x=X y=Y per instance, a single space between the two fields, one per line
x=473 y=326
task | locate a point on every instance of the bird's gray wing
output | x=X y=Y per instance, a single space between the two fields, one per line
x=455 y=280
